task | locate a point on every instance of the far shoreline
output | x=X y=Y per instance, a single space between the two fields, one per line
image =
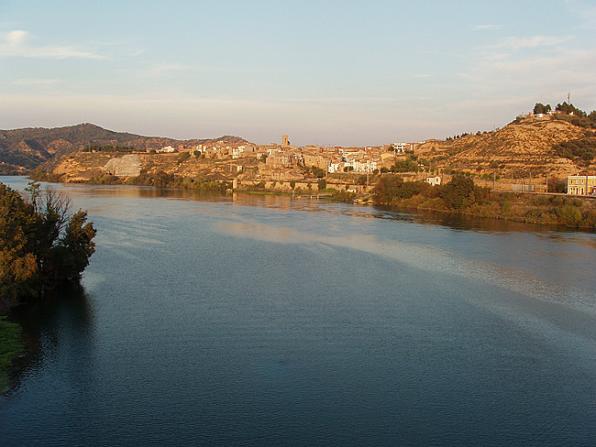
x=354 y=200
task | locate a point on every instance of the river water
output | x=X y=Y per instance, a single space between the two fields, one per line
x=271 y=321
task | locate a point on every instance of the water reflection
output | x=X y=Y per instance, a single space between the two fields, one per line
x=63 y=316
x=300 y=203
x=246 y=321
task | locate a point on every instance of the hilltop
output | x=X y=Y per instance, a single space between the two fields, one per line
x=529 y=146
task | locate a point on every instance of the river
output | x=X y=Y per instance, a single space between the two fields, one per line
x=262 y=320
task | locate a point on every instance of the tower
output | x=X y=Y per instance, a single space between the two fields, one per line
x=285 y=141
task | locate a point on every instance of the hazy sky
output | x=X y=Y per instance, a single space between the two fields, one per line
x=327 y=72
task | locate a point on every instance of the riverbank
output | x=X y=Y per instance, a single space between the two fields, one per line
x=462 y=197
x=11 y=347
x=522 y=208
x=392 y=193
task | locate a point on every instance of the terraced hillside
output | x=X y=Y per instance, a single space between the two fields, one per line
x=526 y=146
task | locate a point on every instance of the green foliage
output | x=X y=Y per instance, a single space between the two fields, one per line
x=18 y=266
x=41 y=244
x=462 y=196
x=342 y=196
x=540 y=108
x=10 y=346
x=570 y=215
x=391 y=187
x=184 y=156
x=73 y=252
x=581 y=150
x=163 y=180
x=459 y=192
x=407 y=165
x=569 y=109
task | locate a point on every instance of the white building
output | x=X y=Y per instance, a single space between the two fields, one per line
x=400 y=148
x=434 y=181
x=365 y=167
x=238 y=151
x=581 y=185
x=166 y=150
x=334 y=168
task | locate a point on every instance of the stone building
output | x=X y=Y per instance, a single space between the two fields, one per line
x=581 y=185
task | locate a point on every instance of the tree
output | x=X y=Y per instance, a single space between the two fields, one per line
x=540 y=108
x=18 y=267
x=75 y=247
x=408 y=165
x=459 y=192
x=392 y=187
x=41 y=244
x=569 y=109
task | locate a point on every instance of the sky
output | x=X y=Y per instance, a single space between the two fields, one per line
x=325 y=72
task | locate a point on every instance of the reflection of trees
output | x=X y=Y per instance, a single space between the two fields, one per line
x=63 y=317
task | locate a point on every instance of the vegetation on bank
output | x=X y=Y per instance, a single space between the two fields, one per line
x=159 y=179
x=170 y=181
x=461 y=196
x=11 y=346
x=42 y=246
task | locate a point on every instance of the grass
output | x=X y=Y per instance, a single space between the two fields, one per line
x=11 y=346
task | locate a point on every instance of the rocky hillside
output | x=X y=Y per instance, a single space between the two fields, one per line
x=24 y=149
x=528 y=146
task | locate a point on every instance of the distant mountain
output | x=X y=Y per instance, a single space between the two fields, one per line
x=24 y=149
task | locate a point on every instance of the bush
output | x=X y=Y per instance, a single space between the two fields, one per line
x=408 y=165
x=570 y=215
x=557 y=185
x=392 y=187
x=183 y=157
x=459 y=192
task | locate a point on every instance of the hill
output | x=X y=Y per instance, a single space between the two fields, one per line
x=529 y=146
x=24 y=149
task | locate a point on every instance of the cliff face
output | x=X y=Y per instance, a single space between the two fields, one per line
x=99 y=166
x=513 y=151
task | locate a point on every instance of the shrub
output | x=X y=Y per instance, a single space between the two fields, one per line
x=459 y=192
x=183 y=157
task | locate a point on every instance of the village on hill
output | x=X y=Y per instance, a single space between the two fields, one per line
x=546 y=150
